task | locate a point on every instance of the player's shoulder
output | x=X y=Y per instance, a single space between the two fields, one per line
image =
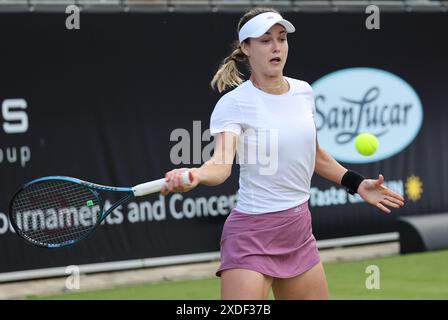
x=300 y=86
x=240 y=90
x=234 y=95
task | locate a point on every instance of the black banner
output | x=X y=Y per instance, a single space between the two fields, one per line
x=116 y=101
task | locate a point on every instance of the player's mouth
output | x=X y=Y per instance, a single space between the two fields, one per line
x=276 y=60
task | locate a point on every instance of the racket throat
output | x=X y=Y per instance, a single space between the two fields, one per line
x=115 y=206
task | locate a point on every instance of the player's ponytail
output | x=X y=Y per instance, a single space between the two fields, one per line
x=228 y=74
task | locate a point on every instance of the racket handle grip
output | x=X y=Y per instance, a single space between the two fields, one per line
x=156 y=185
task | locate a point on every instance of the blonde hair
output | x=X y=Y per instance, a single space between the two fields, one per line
x=228 y=74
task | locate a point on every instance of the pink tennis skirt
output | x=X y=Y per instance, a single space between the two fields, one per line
x=278 y=244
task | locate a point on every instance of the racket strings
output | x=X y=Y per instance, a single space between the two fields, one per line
x=55 y=212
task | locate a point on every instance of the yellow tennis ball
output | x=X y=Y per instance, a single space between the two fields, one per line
x=366 y=144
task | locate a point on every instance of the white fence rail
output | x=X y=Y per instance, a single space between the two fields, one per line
x=225 y=5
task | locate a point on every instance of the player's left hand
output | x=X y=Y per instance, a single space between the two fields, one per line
x=374 y=192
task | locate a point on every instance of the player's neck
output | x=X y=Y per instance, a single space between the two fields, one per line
x=277 y=85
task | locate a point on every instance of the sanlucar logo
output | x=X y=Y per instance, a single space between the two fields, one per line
x=355 y=100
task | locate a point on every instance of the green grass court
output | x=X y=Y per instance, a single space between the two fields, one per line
x=413 y=276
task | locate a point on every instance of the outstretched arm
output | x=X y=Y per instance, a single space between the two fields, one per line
x=371 y=190
x=212 y=173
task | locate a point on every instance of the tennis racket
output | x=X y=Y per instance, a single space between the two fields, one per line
x=59 y=211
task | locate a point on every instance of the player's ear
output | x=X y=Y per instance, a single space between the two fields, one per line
x=244 y=48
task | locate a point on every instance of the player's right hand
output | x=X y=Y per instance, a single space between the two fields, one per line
x=174 y=181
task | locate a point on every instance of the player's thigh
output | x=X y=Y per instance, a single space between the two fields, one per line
x=244 y=284
x=311 y=284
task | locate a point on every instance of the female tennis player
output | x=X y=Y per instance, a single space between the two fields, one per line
x=267 y=240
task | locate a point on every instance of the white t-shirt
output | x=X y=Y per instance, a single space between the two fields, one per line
x=276 y=147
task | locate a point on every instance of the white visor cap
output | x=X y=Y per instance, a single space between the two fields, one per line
x=258 y=25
